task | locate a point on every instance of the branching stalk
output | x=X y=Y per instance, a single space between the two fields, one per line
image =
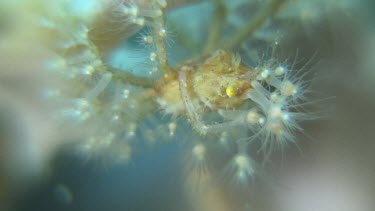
x=129 y=78
x=216 y=26
x=159 y=34
x=260 y=18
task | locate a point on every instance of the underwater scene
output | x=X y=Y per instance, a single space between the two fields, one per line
x=187 y=105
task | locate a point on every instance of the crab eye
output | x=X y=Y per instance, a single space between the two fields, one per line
x=230 y=91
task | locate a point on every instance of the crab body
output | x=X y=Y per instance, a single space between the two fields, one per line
x=220 y=82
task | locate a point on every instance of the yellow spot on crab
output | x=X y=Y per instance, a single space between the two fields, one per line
x=230 y=91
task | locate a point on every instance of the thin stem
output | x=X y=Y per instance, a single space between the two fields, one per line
x=216 y=26
x=260 y=18
x=159 y=34
x=130 y=78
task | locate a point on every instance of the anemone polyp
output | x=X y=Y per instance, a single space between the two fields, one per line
x=199 y=151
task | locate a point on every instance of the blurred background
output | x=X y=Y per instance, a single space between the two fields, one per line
x=331 y=169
